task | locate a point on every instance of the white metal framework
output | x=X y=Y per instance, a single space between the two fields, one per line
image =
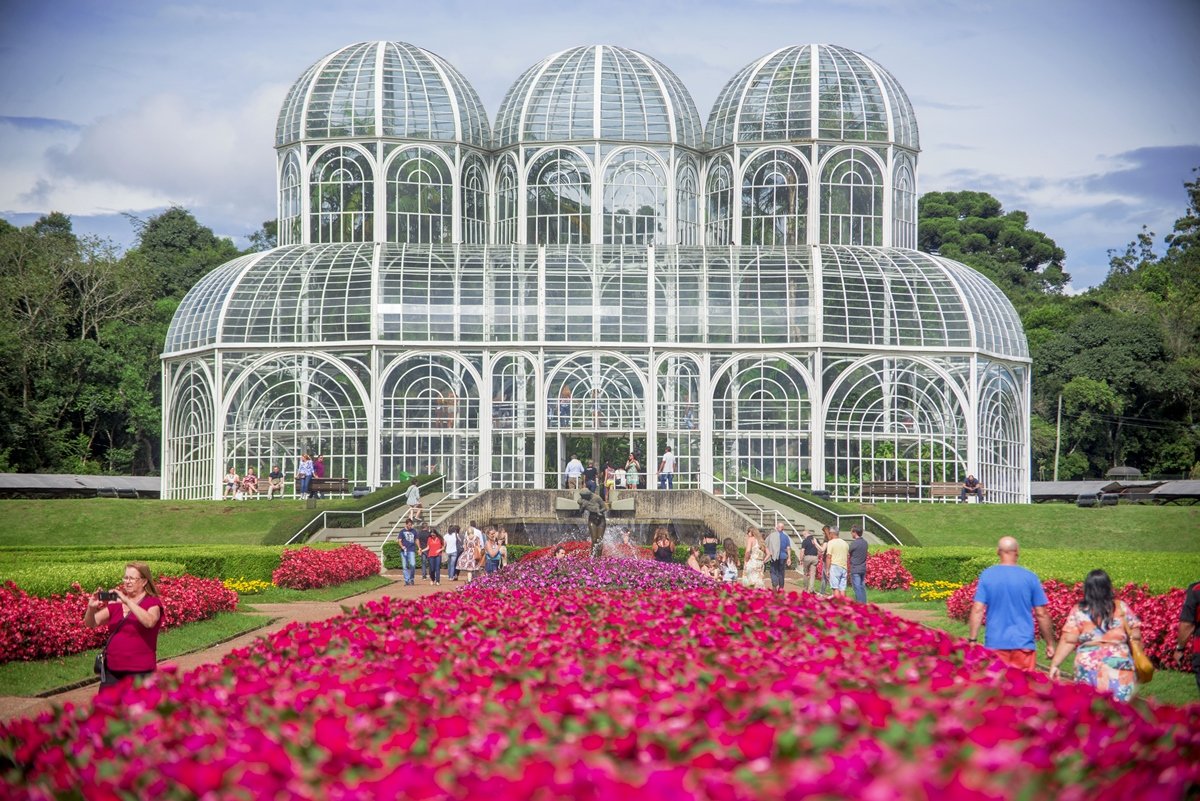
x=447 y=300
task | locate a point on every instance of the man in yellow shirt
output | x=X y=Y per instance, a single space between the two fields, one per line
x=837 y=558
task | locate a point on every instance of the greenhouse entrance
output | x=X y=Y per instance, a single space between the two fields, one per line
x=602 y=447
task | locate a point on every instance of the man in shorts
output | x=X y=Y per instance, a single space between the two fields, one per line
x=837 y=562
x=1012 y=597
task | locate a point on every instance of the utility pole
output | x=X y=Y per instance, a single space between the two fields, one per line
x=1057 y=437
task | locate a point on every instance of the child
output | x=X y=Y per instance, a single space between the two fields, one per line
x=728 y=568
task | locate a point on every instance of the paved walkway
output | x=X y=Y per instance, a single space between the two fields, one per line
x=304 y=611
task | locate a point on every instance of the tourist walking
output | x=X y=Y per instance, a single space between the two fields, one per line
x=422 y=545
x=812 y=554
x=666 y=470
x=858 y=564
x=133 y=620
x=1103 y=630
x=451 y=542
x=1012 y=597
x=756 y=554
x=413 y=498
x=434 y=547
x=470 y=559
x=837 y=562
x=779 y=554
x=1189 y=619
x=408 y=553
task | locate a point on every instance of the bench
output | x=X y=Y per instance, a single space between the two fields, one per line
x=944 y=489
x=890 y=489
x=329 y=484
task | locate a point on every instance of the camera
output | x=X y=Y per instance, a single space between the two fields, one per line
x=108 y=595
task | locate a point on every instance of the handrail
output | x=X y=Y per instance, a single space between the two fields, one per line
x=762 y=513
x=876 y=525
x=323 y=517
x=453 y=492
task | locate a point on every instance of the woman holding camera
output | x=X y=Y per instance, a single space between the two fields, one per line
x=134 y=616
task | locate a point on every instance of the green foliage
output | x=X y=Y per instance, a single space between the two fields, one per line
x=56 y=578
x=826 y=512
x=391 y=498
x=210 y=561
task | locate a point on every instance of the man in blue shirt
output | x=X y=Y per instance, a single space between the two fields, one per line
x=779 y=554
x=408 y=552
x=1012 y=597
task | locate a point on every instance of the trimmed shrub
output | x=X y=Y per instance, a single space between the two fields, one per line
x=286 y=528
x=45 y=580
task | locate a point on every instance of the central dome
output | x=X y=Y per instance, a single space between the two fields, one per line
x=599 y=92
x=383 y=89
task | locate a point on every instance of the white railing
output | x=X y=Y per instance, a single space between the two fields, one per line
x=875 y=525
x=322 y=519
x=453 y=493
x=767 y=518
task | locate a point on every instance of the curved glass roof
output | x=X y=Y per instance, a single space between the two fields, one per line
x=386 y=89
x=870 y=297
x=598 y=92
x=773 y=100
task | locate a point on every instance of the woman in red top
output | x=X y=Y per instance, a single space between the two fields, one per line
x=133 y=622
x=433 y=553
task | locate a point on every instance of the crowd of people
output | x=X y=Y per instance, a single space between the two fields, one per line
x=468 y=551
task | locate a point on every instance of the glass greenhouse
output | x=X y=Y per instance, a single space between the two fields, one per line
x=598 y=269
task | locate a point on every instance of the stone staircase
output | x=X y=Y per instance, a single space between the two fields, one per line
x=376 y=532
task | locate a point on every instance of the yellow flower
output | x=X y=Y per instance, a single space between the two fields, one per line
x=243 y=586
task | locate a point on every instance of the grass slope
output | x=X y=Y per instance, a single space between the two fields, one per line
x=113 y=521
x=1051 y=525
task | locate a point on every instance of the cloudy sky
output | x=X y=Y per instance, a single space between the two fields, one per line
x=1084 y=113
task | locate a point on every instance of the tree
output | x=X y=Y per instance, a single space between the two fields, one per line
x=179 y=250
x=266 y=237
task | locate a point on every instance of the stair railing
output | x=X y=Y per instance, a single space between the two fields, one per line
x=323 y=519
x=456 y=491
x=875 y=526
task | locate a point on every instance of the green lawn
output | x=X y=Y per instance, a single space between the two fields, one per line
x=33 y=678
x=1126 y=527
x=113 y=521
x=280 y=595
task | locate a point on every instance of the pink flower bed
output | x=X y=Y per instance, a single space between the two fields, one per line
x=309 y=568
x=885 y=571
x=711 y=693
x=1159 y=613
x=38 y=628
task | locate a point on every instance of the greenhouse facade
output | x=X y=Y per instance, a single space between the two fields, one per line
x=598 y=267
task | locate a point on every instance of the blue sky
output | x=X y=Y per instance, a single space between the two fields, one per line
x=1084 y=114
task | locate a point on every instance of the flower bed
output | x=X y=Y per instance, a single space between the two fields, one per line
x=1159 y=614
x=935 y=590
x=609 y=573
x=583 y=550
x=714 y=692
x=885 y=571
x=244 y=586
x=310 y=568
x=39 y=628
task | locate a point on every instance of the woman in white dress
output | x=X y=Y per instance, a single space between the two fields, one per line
x=756 y=553
x=469 y=559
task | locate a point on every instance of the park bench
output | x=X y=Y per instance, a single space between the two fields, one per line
x=890 y=489
x=329 y=485
x=944 y=489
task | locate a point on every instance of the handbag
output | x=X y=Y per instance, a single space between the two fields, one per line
x=100 y=666
x=1142 y=665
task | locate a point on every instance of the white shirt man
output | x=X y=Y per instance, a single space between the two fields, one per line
x=574 y=473
x=666 y=470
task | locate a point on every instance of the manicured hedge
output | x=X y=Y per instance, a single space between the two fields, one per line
x=211 y=561
x=827 y=511
x=45 y=580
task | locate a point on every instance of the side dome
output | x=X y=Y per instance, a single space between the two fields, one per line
x=773 y=100
x=383 y=89
x=599 y=92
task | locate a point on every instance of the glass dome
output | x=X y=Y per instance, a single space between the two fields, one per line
x=773 y=99
x=383 y=89
x=599 y=92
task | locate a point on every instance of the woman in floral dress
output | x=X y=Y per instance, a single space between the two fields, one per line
x=756 y=553
x=1101 y=628
x=468 y=557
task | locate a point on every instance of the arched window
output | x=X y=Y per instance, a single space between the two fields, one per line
x=719 y=203
x=904 y=207
x=188 y=438
x=775 y=200
x=635 y=200
x=687 y=204
x=761 y=414
x=559 y=203
x=474 y=202
x=506 y=203
x=852 y=200
x=419 y=197
x=289 y=201
x=342 y=197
